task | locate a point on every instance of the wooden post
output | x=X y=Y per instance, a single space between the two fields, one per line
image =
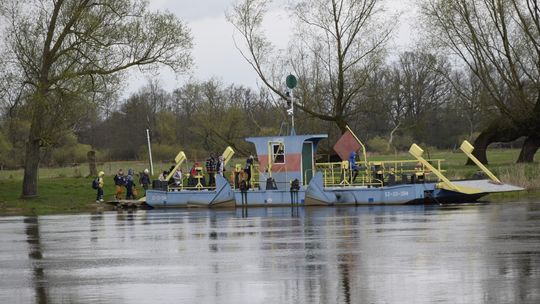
x=91 y=157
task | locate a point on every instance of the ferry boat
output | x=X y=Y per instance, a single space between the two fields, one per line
x=287 y=174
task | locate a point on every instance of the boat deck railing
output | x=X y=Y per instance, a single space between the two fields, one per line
x=375 y=173
x=197 y=187
x=256 y=175
x=253 y=182
x=198 y=183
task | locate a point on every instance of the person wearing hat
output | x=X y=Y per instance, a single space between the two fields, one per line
x=99 y=196
x=144 y=180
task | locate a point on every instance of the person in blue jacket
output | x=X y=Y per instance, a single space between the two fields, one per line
x=353 y=168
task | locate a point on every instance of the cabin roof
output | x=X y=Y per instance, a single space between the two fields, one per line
x=289 y=138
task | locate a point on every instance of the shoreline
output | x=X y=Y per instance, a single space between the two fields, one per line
x=66 y=191
x=58 y=195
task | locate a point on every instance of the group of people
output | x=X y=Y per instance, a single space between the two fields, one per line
x=213 y=165
x=196 y=177
x=121 y=182
x=176 y=177
x=128 y=182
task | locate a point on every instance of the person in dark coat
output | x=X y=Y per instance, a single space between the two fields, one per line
x=120 y=183
x=247 y=170
x=144 y=180
x=130 y=183
x=211 y=169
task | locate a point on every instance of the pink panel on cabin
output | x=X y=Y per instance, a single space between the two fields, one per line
x=293 y=162
x=346 y=144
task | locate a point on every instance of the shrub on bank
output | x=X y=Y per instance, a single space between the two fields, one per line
x=523 y=175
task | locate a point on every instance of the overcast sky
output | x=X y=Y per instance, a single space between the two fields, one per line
x=214 y=52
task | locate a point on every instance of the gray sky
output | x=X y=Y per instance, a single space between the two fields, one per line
x=214 y=52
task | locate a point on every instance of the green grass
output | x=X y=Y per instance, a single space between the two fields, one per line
x=68 y=190
x=56 y=195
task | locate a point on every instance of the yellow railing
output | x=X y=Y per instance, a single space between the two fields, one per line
x=255 y=175
x=374 y=174
x=198 y=185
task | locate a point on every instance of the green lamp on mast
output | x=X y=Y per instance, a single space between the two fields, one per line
x=291 y=83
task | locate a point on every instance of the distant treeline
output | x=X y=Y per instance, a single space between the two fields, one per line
x=417 y=98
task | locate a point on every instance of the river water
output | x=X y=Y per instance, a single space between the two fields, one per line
x=479 y=253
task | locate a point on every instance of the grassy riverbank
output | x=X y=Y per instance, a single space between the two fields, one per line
x=61 y=190
x=68 y=190
x=56 y=195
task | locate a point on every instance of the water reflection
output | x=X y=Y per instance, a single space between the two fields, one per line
x=486 y=253
x=96 y=221
x=34 y=253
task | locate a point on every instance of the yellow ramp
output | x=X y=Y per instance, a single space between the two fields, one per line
x=227 y=155
x=445 y=183
x=467 y=148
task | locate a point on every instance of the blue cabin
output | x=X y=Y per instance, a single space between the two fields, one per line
x=286 y=158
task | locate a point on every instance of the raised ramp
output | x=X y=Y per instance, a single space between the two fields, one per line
x=316 y=194
x=487 y=186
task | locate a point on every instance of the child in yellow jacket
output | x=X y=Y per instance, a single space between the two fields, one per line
x=99 y=197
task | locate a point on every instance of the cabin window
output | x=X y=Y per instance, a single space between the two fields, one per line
x=278 y=153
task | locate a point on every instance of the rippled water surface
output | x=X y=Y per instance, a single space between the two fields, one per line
x=482 y=253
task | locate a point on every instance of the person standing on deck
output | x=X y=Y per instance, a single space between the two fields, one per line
x=130 y=183
x=211 y=169
x=178 y=177
x=99 y=196
x=119 y=182
x=353 y=168
x=163 y=176
x=247 y=170
x=220 y=165
x=192 y=173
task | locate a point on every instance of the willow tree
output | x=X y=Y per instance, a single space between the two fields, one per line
x=499 y=41
x=70 y=54
x=337 y=43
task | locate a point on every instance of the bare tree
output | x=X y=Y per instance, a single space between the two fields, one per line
x=70 y=53
x=470 y=99
x=498 y=40
x=337 y=44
